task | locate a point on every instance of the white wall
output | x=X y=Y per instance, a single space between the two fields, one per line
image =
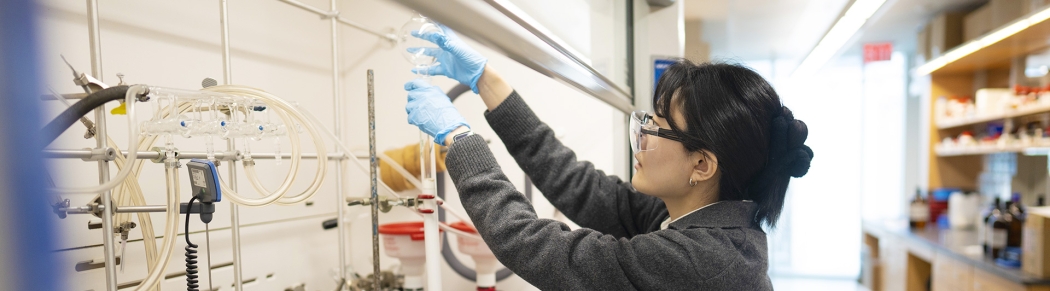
x=286 y=51
x=819 y=230
x=883 y=148
x=659 y=32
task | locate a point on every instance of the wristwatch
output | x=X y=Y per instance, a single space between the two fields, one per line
x=460 y=136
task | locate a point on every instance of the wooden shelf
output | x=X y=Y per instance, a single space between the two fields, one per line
x=957 y=122
x=995 y=49
x=985 y=62
x=984 y=150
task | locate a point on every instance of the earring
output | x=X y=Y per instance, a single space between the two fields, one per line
x=691 y=182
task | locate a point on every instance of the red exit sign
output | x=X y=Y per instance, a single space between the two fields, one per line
x=877 y=52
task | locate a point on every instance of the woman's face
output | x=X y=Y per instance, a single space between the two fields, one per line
x=664 y=171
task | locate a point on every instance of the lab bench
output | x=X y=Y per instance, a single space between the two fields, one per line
x=897 y=257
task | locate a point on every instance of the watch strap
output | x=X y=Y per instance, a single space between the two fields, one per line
x=461 y=135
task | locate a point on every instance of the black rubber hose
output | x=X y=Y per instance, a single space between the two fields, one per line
x=459 y=89
x=66 y=119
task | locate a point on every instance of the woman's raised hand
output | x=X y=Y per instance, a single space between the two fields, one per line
x=431 y=110
x=454 y=59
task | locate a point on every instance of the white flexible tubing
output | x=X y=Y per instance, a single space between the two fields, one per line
x=346 y=151
x=322 y=151
x=171 y=231
x=400 y=170
x=249 y=169
x=286 y=109
x=357 y=161
x=149 y=236
x=134 y=194
x=133 y=131
x=269 y=198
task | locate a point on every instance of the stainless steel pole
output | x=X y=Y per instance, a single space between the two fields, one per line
x=333 y=13
x=372 y=169
x=152 y=155
x=338 y=126
x=235 y=221
x=100 y=142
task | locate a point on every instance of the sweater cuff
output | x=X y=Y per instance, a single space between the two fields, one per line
x=468 y=157
x=512 y=120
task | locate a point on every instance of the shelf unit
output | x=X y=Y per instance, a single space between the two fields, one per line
x=982 y=62
x=986 y=62
x=959 y=122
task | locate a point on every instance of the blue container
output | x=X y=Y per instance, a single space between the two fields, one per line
x=1011 y=258
x=942 y=194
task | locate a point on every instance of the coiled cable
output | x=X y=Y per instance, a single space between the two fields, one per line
x=191 y=253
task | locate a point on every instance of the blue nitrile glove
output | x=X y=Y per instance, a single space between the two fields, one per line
x=455 y=59
x=431 y=110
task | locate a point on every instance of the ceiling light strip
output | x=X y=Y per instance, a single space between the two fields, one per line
x=840 y=33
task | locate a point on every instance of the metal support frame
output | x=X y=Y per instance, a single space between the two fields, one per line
x=101 y=144
x=334 y=14
x=95 y=154
x=119 y=209
x=337 y=103
x=103 y=153
x=373 y=169
x=227 y=79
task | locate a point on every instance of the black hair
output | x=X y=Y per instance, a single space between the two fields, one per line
x=733 y=113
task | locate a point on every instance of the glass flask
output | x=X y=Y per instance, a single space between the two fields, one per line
x=414 y=48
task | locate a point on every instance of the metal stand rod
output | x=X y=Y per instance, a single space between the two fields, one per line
x=153 y=155
x=100 y=142
x=337 y=103
x=235 y=221
x=119 y=209
x=335 y=14
x=372 y=169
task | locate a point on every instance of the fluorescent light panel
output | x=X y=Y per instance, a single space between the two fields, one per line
x=840 y=33
x=983 y=42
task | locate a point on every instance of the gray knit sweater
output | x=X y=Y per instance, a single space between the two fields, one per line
x=621 y=246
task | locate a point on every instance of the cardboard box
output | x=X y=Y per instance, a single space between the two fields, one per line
x=1034 y=5
x=922 y=44
x=1035 y=249
x=946 y=32
x=993 y=15
x=977 y=23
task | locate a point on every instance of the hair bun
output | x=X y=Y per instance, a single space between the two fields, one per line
x=799 y=165
x=788 y=153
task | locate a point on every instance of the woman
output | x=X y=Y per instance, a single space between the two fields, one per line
x=713 y=165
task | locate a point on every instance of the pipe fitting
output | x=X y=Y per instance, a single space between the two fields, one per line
x=143 y=96
x=162 y=154
x=101 y=154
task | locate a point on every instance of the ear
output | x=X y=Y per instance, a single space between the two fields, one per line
x=705 y=165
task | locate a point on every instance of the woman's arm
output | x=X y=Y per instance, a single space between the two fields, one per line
x=492 y=88
x=493 y=91
x=584 y=194
x=547 y=254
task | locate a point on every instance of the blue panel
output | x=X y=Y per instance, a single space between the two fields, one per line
x=659 y=66
x=32 y=236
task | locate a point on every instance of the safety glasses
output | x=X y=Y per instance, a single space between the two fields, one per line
x=643 y=129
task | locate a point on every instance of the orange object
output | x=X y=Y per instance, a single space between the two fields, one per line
x=407 y=157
